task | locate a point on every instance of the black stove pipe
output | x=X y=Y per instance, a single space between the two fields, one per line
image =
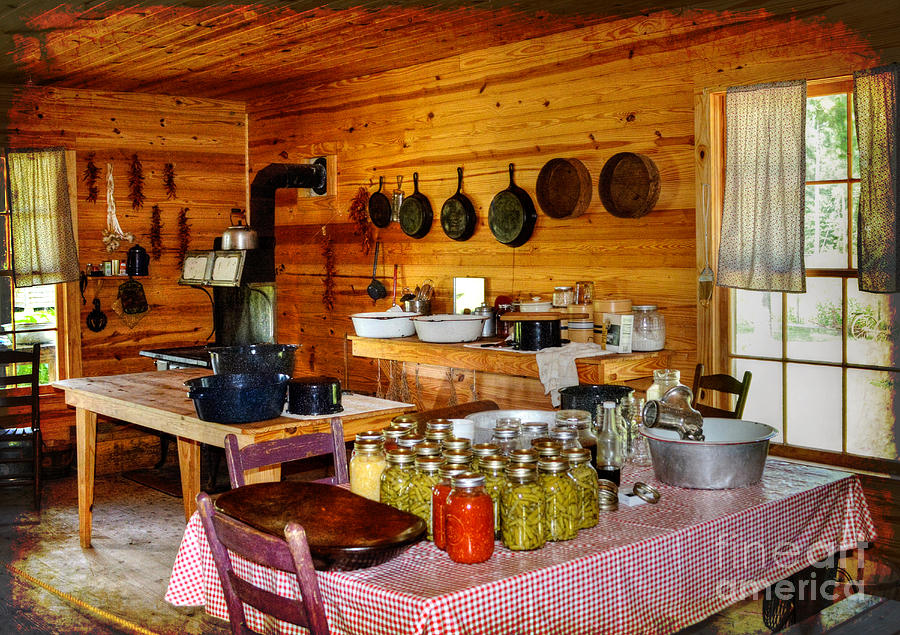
x=275 y=176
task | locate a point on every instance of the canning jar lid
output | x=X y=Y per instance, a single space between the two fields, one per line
x=468 y=479
x=644 y=307
x=401 y=456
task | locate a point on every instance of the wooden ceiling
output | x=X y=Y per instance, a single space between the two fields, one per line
x=237 y=50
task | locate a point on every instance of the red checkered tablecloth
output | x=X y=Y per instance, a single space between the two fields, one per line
x=646 y=569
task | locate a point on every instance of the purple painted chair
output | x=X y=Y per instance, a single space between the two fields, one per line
x=225 y=534
x=289 y=449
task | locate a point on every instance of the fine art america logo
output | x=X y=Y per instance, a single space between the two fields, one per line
x=763 y=570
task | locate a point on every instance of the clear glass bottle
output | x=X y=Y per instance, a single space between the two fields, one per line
x=400 y=466
x=419 y=497
x=439 y=494
x=562 y=514
x=649 y=330
x=522 y=510
x=367 y=463
x=566 y=437
x=663 y=380
x=563 y=296
x=610 y=452
x=585 y=476
x=494 y=470
x=505 y=438
x=469 y=520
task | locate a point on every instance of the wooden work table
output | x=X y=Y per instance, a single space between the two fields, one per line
x=604 y=369
x=158 y=400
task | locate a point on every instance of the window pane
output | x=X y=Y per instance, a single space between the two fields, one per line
x=814 y=406
x=826 y=137
x=872 y=413
x=825 y=226
x=855 y=148
x=871 y=327
x=4 y=242
x=854 y=220
x=6 y=304
x=764 y=399
x=757 y=323
x=35 y=307
x=814 y=321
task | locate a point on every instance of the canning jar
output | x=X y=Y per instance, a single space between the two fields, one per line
x=428 y=448
x=547 y=449
x=522 y=510
x=563 y=296
x=367 y=463
x=480 y=450
x=411 y=440
x=566 y=437
x=462 y=458
x=396 y=476
x=586 y=486
x=505 y=438
x=649 y=330
x=523 y=456
x=532 y=430
x=439 y=493
x=663 y=380
x=391 y=434
x=456 y=443
x=562 y=513
x=469 y=520
x=493 y=467
x=437 y=435
x=424 y=477
x=581 y=421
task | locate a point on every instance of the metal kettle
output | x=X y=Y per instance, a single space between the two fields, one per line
x=138 y=261
x=239 y=236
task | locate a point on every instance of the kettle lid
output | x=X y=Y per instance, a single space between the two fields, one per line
x=137 y=249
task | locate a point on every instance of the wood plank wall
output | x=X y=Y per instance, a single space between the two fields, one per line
x=627 y=85
x=206 y=142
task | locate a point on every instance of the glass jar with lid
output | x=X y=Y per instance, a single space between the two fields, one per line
x=547 y=449
x=425 y=476
x=400 y=466
x=469 y=520
x=505 y=438
x=494 y=469
x=663 y=380
x=563 y=296
x=458 y=457
x=561 y=511
x=586 y=485
x=524 y=456
x=439 y=494
x=429 y=448
x=480 y=450
x=522 y=510
x=649 y=330
x=456 y=443
x=532 y=430
x=567 y=437
x=583 y=424
x=410 y=440
x=438 y=436
x=367 y=463
x=391 y=434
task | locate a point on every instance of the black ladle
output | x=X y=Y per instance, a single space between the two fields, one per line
x=376 y=290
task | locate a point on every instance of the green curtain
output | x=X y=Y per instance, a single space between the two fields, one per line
x=761 y=244
x=43 y=242
x=876 y=107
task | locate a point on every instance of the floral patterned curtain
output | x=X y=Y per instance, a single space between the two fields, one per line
x=43 y=242
x=876 y=108
x=761 y=244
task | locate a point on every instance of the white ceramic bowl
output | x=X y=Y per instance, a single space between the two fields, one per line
x=447 y=327
x=535 y=307
x=384 y=324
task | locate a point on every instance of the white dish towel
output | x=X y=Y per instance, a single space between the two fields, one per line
x=556 y=366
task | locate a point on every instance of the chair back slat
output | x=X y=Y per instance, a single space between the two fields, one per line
x=724 y=383
x=20 y=413
x=293 y=448
x=228 y=535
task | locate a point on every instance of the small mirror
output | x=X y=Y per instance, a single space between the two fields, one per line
x=468 y=294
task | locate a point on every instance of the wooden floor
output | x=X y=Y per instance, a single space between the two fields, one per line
x=137 y=531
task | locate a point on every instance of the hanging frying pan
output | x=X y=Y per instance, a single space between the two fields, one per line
x=380 y=207
x=458 y=214
x=512 y=215
x=415 y=212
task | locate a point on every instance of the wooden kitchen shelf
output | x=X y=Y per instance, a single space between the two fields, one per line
x=605 y=369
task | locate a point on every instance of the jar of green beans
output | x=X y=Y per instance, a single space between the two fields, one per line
x=494 y=482
x=482 y=449
x=522 y=510
x=396 y=477
x=562 y=512
x=585 y=477
x=425 y=477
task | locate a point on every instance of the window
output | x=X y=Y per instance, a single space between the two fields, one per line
x=824 y=363
x=30 y=315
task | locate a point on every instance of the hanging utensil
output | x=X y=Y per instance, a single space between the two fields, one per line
x=458 y=218
x=415 y=212
x=707 y=279
x=397 y=200
x=375 y=289
x=380 y=210
x=511 y=216
x=394 y=299
x=96 y=319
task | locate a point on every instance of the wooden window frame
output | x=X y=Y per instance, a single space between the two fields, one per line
x=713 y=322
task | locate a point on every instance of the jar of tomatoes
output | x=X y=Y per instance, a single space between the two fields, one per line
x=439 y=495
x=469 y=520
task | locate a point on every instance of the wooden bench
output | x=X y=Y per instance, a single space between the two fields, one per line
x=858 y=614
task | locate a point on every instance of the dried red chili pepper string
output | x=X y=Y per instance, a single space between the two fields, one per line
x=156 y=232
x=359 y=215
x=136 y=183
x=184 y=235
x=90 y=177
x=169 y=180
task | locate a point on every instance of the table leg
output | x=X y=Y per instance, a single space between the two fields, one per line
x=86 y=449
x=189 y=466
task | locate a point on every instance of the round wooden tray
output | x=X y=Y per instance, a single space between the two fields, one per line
x=629 y=185
x=564 y=188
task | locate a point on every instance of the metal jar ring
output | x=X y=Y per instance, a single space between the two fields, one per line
x=646 y=492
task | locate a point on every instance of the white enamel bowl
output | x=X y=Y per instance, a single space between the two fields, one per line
x=446 y=327
x=383 y=324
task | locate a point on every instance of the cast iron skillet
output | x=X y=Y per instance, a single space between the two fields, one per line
x=415 y=212
x=512 y=215
x=380 y=207
x=458 y=214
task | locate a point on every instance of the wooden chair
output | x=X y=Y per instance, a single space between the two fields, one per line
x=291 y=554
x=20 y=423
x=721 y=383
x=289 y=449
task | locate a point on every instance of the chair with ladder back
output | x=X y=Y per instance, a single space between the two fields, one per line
x=294 y=448
x=722 y=383
x=290 y=554
x=20 y=421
